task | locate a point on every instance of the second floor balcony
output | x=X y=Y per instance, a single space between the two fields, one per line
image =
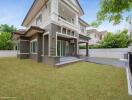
x=67 y=17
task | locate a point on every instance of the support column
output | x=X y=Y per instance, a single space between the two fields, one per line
x=76 y=47
x=87 y=51
x=39 y=49
x=24 y=47
x=53 y=40
x=54 y=10
x=76 y=19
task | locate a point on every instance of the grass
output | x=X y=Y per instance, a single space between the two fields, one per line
x=29 y=80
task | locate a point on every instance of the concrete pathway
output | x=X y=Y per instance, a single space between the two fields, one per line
x=107 y=61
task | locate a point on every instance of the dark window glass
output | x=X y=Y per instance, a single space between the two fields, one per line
x=64 y=31
x=73 y=33
x=68 y=32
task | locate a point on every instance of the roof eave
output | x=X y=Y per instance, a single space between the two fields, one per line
x=28 y=12
x=84 y=22
x=82 y=11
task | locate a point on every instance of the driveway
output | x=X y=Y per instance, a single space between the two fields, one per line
x=107 y=61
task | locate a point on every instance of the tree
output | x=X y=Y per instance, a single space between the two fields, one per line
x=7 y=28
x=6 y=42
x=118 y=40
x=113 y=10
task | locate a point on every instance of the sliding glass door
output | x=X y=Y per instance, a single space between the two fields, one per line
x=58 y=48
x=62 y=48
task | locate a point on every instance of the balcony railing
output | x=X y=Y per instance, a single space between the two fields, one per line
x=67 y=23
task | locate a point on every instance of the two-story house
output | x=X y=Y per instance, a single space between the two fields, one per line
x=53 y=32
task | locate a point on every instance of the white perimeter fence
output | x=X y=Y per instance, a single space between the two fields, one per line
x=106 y=53
x=8 y=53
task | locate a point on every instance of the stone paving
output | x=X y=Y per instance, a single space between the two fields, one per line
x=107 y=61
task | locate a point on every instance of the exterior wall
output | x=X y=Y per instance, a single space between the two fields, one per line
x=24 y=48
x=45 y=12
x=54 y=10
x=53 y=39
x=52 y=29
x=34 y=57
x=117 y=53
x=50 y=60
x=37 y=56
x=23 y=56
x=40 y=47
x=84 y=28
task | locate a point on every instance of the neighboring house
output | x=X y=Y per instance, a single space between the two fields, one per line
x=95 y=35
x=53 y=30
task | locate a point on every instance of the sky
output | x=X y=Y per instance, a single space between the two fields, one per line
x=13 y=12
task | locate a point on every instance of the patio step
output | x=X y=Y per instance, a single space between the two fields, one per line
x=64 y=59
x=67 y=60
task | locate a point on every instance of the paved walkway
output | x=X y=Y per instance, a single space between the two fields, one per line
x=107 y=61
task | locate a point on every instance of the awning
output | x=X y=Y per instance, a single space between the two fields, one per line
x=28 y=33
x=33 y=30
x=20 y=32
x=83 y=38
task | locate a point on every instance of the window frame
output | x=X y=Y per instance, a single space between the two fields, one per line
x=39 y=20
x=33 y=50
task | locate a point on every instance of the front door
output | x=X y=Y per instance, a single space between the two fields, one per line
x=62 y=48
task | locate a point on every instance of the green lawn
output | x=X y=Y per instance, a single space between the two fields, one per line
x=29 y=80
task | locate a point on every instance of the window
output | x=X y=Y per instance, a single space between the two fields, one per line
x=17 y=47
x=39 y=20
x=82 y=30
x=72 y=21
x=69 y=32
x=33 y=46
x=72 y=33
x=64 y=30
